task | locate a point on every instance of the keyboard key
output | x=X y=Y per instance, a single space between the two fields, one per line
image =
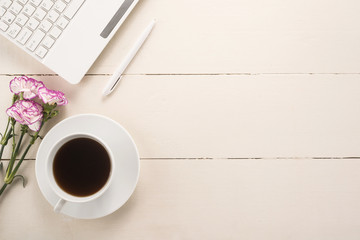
x=24 y=35
x=33 y=24
x=35 y=2
x=47 y=4
x=35 y=40
x=15 y=8
x=2 y=11
x=41 y=51
x=45 y=25
x=5 y=3
x=59 y=6
x=73 y=8
x=23 y=2
x=39 y=14
x=29 y=10
x=55 y=32
x=62 y=23
x=14 y=30
x=3 y=26
x=8 y=17
x=21 y=19
x=36 y=24
x=48 y=42
x=53 y=15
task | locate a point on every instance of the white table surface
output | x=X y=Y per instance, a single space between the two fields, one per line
x=246 y=115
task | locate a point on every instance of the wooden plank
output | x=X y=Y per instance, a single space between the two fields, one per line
x=257 y=116
x=209 y=199
x=228 y=37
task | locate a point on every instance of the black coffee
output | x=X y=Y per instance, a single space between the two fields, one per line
x=81 y=167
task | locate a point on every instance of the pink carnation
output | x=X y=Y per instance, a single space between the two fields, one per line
x=28 y=86
x=51 y=96
x=27 y=112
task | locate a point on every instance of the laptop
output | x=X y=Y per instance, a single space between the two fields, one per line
x=65 y=35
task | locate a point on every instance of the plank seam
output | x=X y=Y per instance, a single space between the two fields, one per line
x=239 y=158
x=177 y=74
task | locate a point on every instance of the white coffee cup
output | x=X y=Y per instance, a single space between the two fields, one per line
x=64 y=196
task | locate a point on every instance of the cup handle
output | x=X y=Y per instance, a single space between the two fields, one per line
x=58 y=206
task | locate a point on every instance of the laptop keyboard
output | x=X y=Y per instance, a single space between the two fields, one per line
x=36 y=24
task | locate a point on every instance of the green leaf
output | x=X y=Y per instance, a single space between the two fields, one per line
x=22 y=177
x=48 y=108
x=5 y=142
x=24 y=128
x=54 y=113
x=15 y=98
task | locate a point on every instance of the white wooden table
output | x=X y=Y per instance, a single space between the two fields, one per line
x=246 y=115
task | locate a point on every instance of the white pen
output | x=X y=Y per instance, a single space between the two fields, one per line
x=115 y=78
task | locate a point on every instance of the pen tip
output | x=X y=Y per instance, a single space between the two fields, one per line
x=105 y=93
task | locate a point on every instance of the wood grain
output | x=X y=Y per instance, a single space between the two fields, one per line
x=256 y=116
x=232 y=104
x=209 y=199
x=228 y=36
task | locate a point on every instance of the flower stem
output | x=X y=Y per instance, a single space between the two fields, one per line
x=1 y=150
x=15 y=152
x=10 y=173
x=24 y=130
x=13 y=155
x=3 y=188
x=10 y=178
x=8 y=136
x=13 y=122
x=5 y=138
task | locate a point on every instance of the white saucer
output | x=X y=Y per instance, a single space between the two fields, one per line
x=126 y=171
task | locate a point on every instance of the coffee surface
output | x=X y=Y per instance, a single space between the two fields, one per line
x=81 y=167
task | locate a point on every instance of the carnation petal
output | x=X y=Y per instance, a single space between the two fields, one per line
x=14 y=113
x=26 y=112
x=35 y=126
x=51 y=96
x=28 y=86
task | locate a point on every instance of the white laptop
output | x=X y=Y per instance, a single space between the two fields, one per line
x=65 y=35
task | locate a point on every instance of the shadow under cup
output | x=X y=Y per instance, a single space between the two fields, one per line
x=79 y=168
